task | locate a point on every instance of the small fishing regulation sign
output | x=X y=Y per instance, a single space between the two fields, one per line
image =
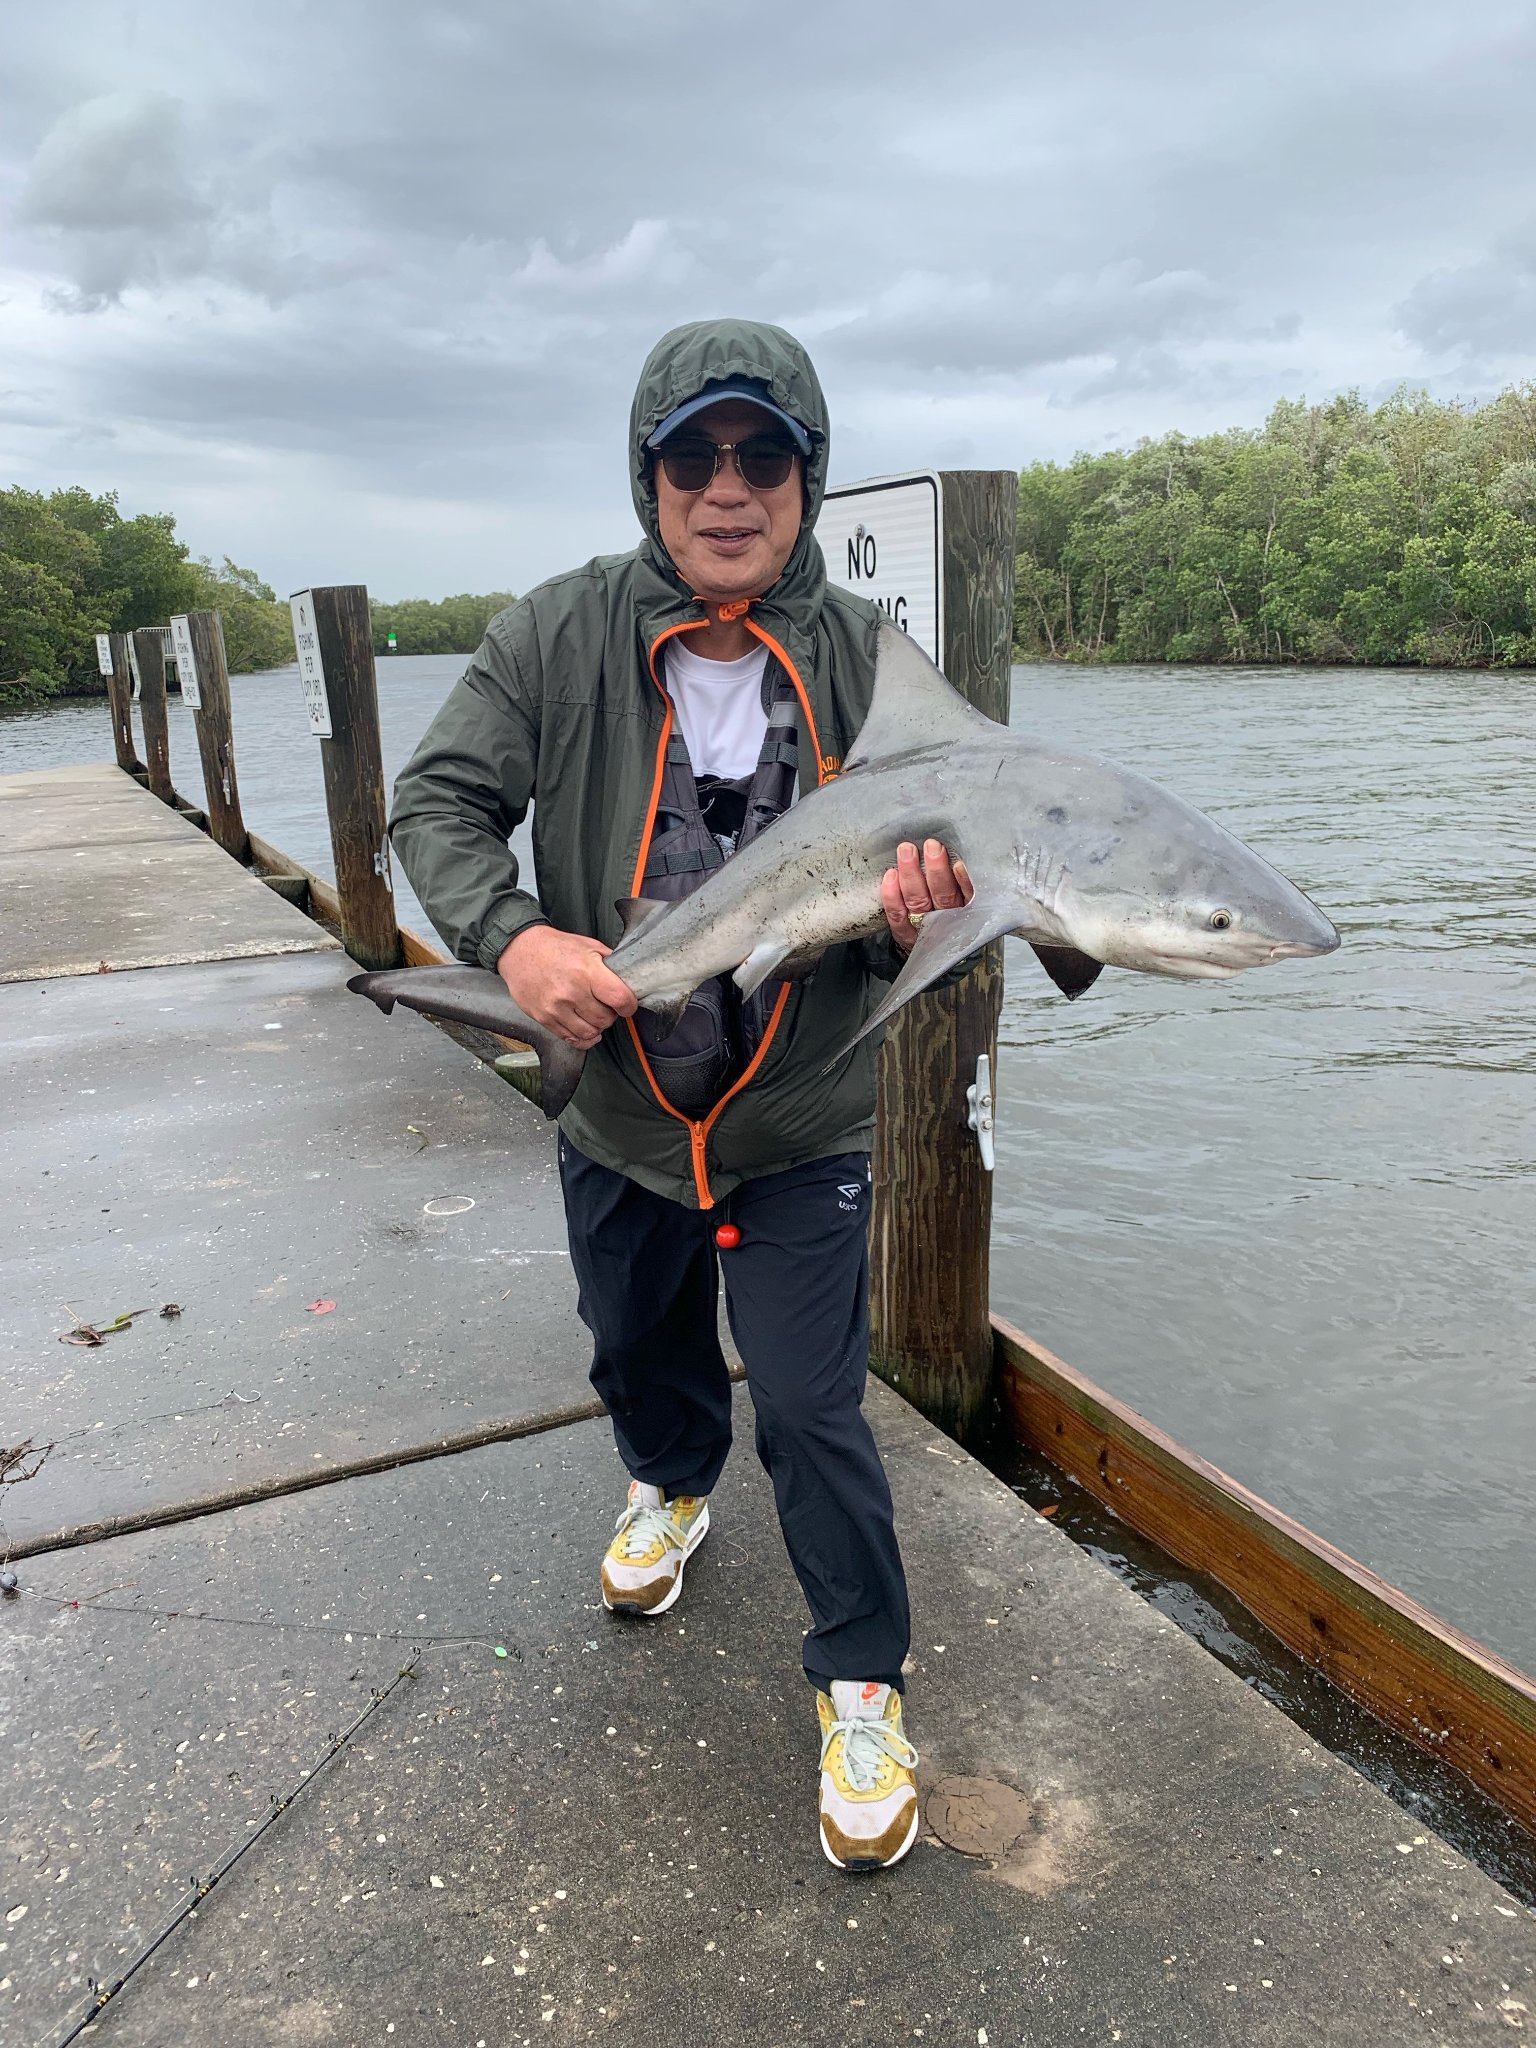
x=104 y=653
x=306 y=641
x=186 y=662
x=884 y=539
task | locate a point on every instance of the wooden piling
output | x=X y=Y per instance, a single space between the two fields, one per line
x=352 y=762
x=120 y=701
x=930 y=1332
x=149 y=652
x=215 y=735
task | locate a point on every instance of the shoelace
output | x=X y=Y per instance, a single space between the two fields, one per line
x=642 y=1527
x=864 y=1744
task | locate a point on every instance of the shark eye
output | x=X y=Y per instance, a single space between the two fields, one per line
x=1220 y=920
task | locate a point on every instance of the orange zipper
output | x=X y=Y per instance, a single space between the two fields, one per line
x=685 y=626
x=824 y=768
x=698 y=1133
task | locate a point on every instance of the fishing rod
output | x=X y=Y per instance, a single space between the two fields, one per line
x=199 y=1888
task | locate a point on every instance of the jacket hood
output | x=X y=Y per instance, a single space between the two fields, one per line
x=683 y=365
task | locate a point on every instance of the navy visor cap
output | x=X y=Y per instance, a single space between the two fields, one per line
x=754 y=394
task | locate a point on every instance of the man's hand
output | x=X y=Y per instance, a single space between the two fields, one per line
x=559 y=980
x=918 y=884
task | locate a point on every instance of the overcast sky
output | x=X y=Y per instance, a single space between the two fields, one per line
x=359 y=289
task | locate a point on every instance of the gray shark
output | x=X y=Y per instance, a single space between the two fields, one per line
x=1092 y=864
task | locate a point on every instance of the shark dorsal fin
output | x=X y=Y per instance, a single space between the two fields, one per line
x=913 y=705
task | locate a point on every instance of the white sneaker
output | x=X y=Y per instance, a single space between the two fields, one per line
x=654 y=1538
x=868 y=1809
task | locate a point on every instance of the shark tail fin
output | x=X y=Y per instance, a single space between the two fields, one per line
x=561 y=1067
x=945 y=939
x=1071 y=970
x=473 y=996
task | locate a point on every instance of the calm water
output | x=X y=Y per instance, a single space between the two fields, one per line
x=1289 y=1218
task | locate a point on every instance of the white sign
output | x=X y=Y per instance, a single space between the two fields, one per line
x=884 y=539
x=133 y=667
x=306 y=642
x=186 y=662
x=104 y=653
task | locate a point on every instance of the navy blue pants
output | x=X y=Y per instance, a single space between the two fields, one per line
x=797 y=1295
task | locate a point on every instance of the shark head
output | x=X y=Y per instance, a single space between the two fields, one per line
x=1171 y=892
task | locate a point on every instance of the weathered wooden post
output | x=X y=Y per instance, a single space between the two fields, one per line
x=215 y=732
x=149 y=653
x=931 y=1336
x=120 y=700
x=333 y=633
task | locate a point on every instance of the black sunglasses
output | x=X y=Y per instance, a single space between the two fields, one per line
x=763 y=461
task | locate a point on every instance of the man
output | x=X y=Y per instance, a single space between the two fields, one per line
x=664 y=707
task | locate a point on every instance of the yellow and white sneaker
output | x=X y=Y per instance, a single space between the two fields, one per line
x=654 y=1539
x=868 y=1793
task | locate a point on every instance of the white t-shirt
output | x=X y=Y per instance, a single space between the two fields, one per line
x=720 y=708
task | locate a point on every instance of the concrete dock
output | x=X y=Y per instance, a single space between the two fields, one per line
x=608 y=1832
x=97 y=875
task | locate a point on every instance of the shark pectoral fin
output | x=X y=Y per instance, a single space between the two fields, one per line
x=1071 y=970
x=637 y=911
x=764 y=959
x=945 y=939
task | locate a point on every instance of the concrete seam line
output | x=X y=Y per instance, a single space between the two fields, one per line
x=75 y=1534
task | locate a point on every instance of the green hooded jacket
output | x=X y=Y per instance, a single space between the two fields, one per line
x=562 y=706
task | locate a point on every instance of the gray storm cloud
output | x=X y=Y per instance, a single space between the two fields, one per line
x=114 y=163
x=388 y=272
x=113 y=181
x=1483 y=310
x=110 y=176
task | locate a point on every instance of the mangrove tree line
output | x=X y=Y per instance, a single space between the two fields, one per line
x=446 y=625
x=1335 y=533
x=72 y=566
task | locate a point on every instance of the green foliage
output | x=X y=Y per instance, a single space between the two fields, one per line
x=71 y=566
x=258 y=626
x=1337 y=533
x=55 y=593
x=453 y=625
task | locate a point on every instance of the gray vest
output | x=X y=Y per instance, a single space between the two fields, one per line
x=714 y=1040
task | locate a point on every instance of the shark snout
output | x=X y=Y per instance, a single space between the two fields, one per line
x=1310 y=935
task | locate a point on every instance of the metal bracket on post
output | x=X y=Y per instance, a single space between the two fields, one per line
x=978 y=1106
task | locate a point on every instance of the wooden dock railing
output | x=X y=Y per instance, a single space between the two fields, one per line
x=120 y=702
x=352 y=762
x=216 y=733
x=149 y=656
x=931 y=1227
